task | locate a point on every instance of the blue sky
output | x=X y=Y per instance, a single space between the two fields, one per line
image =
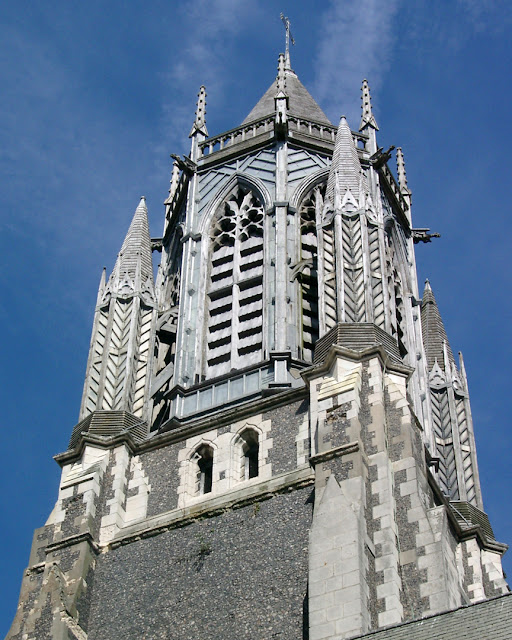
x=96 y=95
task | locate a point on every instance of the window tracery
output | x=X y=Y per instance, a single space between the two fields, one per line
x=235 y=284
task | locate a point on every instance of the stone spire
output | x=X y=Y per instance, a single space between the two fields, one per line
x=134 y=261
x=200 y=121
x=367 y=118
x=345 y=173
x=435 y=339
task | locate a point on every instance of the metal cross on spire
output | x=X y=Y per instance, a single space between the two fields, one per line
x=289 y=38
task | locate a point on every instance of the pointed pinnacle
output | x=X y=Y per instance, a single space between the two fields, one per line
x=367 y=118
x=281 y=77
x=200 y=121
x=435 y=339
x=345 y=167
x=135 y=254
x=400 y=168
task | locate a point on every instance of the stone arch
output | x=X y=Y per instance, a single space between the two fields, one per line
x=246 y=450
x=198 y=471
x=234 y=282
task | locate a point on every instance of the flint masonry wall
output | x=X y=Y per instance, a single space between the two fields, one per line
x=239 y=575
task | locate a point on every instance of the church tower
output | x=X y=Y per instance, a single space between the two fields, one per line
x=275 y=440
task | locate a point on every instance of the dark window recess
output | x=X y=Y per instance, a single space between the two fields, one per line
x=205 y=465
x=251 y=451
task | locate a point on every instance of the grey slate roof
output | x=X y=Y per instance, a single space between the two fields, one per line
x=357 y=336
x=434 y=334
x=300 y=102
x=487 y=620
x=107 y=424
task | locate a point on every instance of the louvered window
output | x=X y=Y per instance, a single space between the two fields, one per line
x=310 y=213
x=309 y=280
x=235 y=287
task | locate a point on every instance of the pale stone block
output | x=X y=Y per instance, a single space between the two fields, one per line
x=334 y=584
x=386 y=590
x=406 y=488
x=432 y=586
x=352 y=578
x=349 y=625
x=66 y=493
x=334 y=613
x=415 y=514
x=317 y=559
x=317 y=617
x=346 y=566
x=321 y=573
x=347 y=594
x=353 y=608
x=322 y=631
x=404 y=463
x=438 y=602
x=389 y=617
x=347 y=550
x=406 y=557
x=85 y=486
x=384 y=562
x=318 y=598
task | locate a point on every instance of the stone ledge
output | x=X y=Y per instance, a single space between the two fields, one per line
x=336 y=452
x=234 y=499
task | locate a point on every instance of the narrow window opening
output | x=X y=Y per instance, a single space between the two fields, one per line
x=250 y=455
x=205 y=469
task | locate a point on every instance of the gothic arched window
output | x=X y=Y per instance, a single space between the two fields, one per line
x=235 y=284
x=204 y=472
x=247 y=454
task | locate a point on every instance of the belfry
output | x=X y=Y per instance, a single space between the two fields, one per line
x=275 y=439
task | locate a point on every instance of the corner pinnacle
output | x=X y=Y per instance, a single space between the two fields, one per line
x=402 y=177
x=367 y=118
x=200 y=121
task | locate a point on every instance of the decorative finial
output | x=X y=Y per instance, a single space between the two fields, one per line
x=400 y=168
x=289 y=38
x=281 y=76
x=367 y=119
x=200 y=121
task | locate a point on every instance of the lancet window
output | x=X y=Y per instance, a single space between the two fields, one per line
x=248 y=454
x=204 y=472
x=235 y=284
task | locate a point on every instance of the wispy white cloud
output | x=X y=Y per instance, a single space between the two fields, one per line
x=487 y=15
x=356 y=41
x=210 y=30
